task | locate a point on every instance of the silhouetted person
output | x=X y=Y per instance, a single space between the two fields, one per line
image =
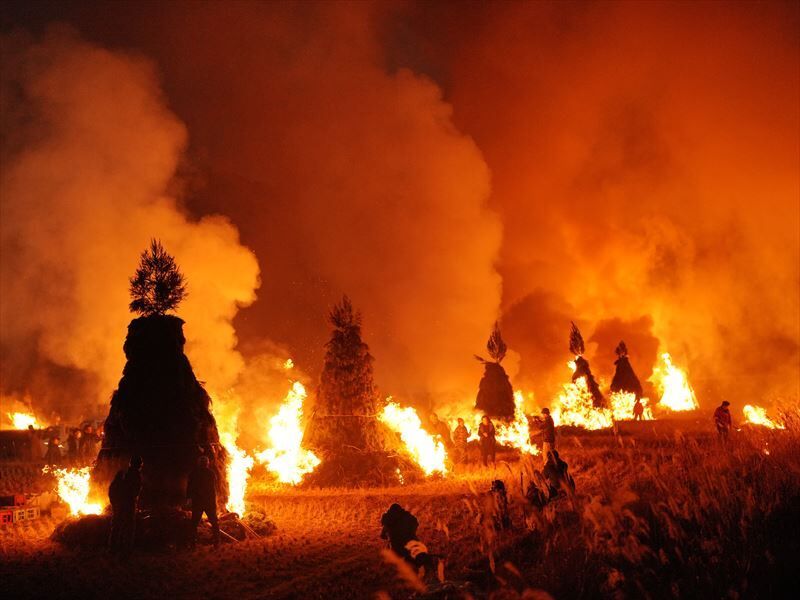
x=441 y=429
x=486 y=434
x=556 y=474
x=34 y=445
x=123 y=494
x=499 y=508
x=53 y=454
x=723 y=420
x=547 y=430
x=638 y=410
x=202 y=491
x=460 y=437
x=88 y=443
x=400 y=527
x=538 y=492
x=73 y=445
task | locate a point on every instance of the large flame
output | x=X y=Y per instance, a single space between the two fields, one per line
x=757 y=415
x=73 y=489
x=575 y=406
x=622 y=404
x=517 y=433
x=428 y=453
x=286 y=457
x=676 y=393
x=21 y=420
x=239 y=465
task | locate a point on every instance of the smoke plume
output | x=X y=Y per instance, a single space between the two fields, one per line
x=90 y=154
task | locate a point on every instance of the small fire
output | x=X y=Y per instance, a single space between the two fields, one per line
x=574 y=406
x=517 y=433
x=758 y=416
x=676 y=393
x=288 y=365
x=239 y=465
x=286 y=457
x=73 y=489
x=429 y=454
x=21 y=420
x=622 y=404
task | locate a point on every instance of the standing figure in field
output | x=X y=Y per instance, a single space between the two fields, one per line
x=556 y=474
x=625 y=380
x=723 y=420
x=202 y=491
x=547 y=431
x=73 y=446
x=582 y=370
x=88 y=444
x=638 y=410
x=441 y=429
x=53 y=454
x=400 y=527
x=486 y=434
x=123 y=495
x=460 y=441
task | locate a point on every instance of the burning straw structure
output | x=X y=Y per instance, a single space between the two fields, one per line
x=495 y=394
x=625 y=380
x=355 y=446
x=160 y=410
x=582 y=369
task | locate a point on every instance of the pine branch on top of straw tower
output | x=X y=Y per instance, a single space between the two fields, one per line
x=495 y=394
x=344 y=426
x=160 y=410
x=582 y=368
x=625 y=379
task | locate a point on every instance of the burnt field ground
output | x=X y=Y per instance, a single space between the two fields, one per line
x=657 y=514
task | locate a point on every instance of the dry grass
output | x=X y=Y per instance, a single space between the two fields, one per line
x=654 y=516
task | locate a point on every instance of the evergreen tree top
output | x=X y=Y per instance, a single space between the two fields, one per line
x=576 y=341
x=158 y=285
x=496 y=346
x=343 y=316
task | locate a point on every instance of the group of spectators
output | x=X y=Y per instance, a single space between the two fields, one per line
x=81 y=447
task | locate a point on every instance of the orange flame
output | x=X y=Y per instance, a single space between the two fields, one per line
x=239 y=465
x=517 y=433
x=428 y=453
x=622 y=404
x=73 y=489
x=574 y=406
x=758 y=416
x=22 y=420
x=286 y=457
x=676 y=393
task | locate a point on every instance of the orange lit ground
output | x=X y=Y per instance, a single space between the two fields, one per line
x=652 y=514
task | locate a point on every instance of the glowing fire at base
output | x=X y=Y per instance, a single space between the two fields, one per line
x=21 y=420
x=286 y=457
x=517 y=433
x=676 y=393
x=574 y=406
x=73 y=489
x=758 y=416
x=429 y=454
x=622 y=404
x=239 y=465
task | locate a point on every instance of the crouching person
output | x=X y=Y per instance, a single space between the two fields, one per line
x=557 y=476
x=123 y=494
x=400 y=528
x=202 y=492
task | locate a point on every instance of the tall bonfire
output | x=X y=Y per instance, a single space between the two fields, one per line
x=160 y=411
x=355 y=446
x=495 y=394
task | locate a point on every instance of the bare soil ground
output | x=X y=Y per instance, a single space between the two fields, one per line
x=656 y=515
